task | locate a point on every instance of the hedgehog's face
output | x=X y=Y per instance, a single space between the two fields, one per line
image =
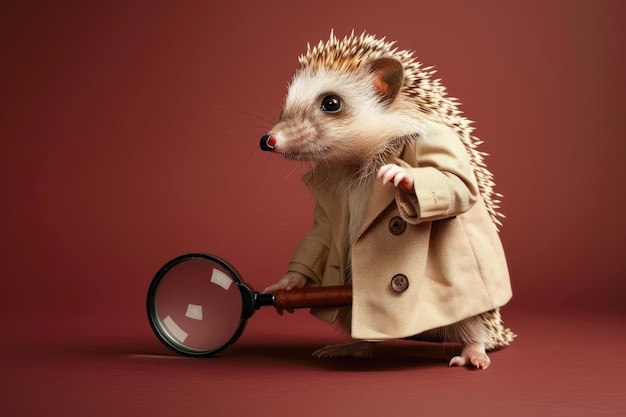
x=332 y=115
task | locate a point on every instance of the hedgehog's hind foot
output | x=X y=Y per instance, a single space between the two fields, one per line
x=360 y=349
x=472 y=355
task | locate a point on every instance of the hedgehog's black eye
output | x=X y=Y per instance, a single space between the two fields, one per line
x=331 y=104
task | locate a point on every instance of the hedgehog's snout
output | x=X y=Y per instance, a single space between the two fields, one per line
x=268 y=143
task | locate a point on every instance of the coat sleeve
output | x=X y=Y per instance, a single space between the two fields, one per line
x=310 y=255
x=444 y=181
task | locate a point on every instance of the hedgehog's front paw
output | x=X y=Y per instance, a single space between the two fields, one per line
x=359 y=349
x=397 y=175
x=472 y=355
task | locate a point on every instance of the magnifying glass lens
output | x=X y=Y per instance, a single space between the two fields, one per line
x=197 y=306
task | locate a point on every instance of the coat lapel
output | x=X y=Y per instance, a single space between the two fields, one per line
x=318 y=183
x=379 y=199
x=380 y=195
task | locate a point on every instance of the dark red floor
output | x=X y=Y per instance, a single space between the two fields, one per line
x=559 y=365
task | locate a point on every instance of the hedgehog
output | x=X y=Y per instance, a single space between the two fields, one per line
x=406 y=209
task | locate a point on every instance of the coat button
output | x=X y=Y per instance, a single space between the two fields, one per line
x=396 y=225
x=399 y=283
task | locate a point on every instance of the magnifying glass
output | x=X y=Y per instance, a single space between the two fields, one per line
x=198 y=305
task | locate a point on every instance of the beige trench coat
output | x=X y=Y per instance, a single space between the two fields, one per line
x=441 y=238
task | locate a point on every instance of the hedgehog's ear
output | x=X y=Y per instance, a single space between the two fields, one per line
x=388 y=75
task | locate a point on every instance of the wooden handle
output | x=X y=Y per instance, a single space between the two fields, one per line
x=310 y=297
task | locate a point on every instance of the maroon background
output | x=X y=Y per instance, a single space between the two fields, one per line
x=129 y=135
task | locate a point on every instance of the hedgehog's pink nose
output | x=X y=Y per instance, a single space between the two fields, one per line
x=268 y=143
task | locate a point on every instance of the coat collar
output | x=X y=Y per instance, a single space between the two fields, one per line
x=319 y=182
